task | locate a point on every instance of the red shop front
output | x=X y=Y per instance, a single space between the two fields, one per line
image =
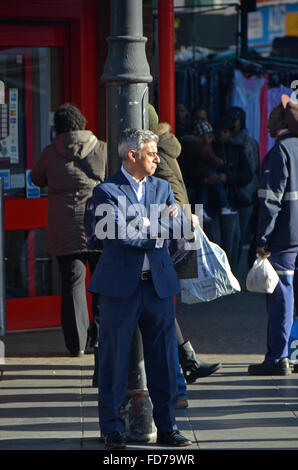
x=49 y=54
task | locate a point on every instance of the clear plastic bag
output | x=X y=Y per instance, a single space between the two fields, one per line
x=215 y=278
x=262 y=277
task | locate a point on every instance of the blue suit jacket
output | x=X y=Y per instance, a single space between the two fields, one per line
x=118 y=271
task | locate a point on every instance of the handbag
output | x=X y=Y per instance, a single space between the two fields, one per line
x=215 y=278
x=179 y=251
x=262 y=277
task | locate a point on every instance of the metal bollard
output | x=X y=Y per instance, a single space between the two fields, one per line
x=137 y=407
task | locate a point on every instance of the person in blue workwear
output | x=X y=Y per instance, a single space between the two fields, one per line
x=277 y=234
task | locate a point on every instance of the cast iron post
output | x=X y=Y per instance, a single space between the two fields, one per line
x=127 y=75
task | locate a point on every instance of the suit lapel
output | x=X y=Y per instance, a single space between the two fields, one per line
x=126 y=188
x=150 y=194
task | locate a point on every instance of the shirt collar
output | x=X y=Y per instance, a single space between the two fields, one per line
x=131 y=178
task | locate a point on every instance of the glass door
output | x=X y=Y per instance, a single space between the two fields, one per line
x=33 y=82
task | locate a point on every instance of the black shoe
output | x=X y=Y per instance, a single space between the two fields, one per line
x=295 y=368
x=77 y=353
x=114 y=440
x=268 y=368
x=172 y=438
x=192 y=367
x=200 y=369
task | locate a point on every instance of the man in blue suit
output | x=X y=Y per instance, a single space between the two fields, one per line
x=136 y=280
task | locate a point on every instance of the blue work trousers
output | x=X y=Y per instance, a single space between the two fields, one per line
x=281 y=303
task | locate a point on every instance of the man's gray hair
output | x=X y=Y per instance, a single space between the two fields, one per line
x=134 y=139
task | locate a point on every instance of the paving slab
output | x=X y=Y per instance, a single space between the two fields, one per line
x=47 y=402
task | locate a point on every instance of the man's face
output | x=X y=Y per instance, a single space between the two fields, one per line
x=181 y=112
x=147 y=160
x=224 y=135
x=237 y=127
x=275 y=124
x=200 y=116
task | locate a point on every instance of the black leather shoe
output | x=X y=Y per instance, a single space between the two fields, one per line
x=193 y=368
x=80 y=353
x=268 y=368
x=114 y=440
x=172 y=438
x=199 y=370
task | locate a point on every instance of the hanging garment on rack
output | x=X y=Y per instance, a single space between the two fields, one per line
x=263 y=140
x=246 y=95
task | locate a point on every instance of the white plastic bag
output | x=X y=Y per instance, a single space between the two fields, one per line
x=262 y=277
x=215 y=278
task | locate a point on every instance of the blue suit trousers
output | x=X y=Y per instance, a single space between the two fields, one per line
x=119 y=318
x=281 y=303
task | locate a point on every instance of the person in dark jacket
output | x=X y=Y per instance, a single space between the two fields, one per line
x=277 y=236
x=235 y=174
x=205 y=164
x=169 y=149
x=71 y=166
x=251 y=150
x=183 y=120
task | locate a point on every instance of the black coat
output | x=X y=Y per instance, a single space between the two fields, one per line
x=238 y=171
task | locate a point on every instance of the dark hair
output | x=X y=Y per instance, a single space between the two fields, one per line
x=68 y=118
x=198 y=108
x=234 y=113
x=224 y=123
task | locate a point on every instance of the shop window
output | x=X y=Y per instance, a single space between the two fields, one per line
x=31 y=89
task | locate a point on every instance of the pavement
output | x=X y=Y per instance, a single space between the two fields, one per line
x=47 y=401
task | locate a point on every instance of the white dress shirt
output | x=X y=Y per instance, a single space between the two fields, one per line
x=139 y=187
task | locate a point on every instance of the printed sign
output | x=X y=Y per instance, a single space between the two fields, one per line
x=5 y=174
x=32 y=191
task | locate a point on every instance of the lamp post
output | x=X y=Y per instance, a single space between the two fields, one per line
x=127 y=75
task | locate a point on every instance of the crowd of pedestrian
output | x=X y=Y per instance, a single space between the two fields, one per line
x=134 y=280
x=220 y=167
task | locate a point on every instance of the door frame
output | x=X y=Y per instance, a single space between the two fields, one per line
x=80 y=87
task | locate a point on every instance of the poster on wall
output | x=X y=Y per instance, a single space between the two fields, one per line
x=9 y=147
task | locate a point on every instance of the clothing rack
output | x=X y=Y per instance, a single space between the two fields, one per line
x=208 y=82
